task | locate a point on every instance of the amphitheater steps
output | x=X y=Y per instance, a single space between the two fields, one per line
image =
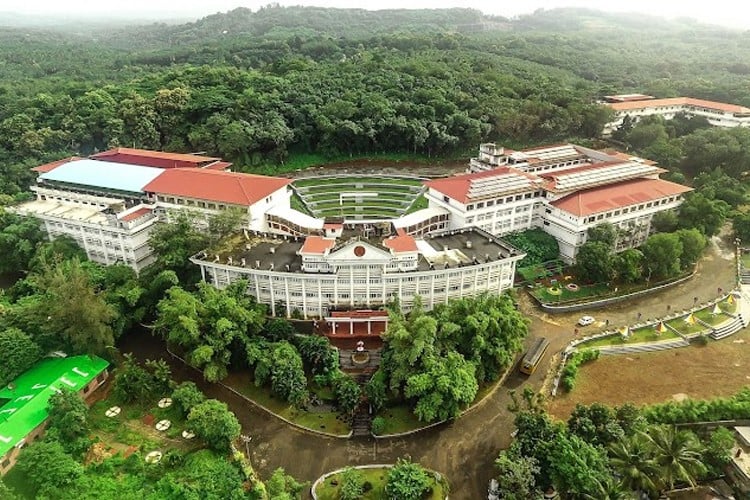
x=637 y=348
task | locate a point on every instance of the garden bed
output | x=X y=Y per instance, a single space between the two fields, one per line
x=327 y=421
x=376 y=477
x=685 y=328
x=639 y=335
x=707 y=316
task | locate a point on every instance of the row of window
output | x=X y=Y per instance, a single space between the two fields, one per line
x=626 y=210
x=508 y=199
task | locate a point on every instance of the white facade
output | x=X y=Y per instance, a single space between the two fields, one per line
x=108 y=233
x=717 y=114
x=360 y=275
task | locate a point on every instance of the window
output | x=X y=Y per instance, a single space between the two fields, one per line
x=490 y=203
x=446 y=199
x=469 y=207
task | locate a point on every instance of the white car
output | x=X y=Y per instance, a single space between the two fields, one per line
x=586 y=320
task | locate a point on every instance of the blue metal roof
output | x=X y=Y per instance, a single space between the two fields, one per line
x=104 y=174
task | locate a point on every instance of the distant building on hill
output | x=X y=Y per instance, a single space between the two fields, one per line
x=24 y=402
x=637 y=106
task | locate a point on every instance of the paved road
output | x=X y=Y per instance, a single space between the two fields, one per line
x=464 y=450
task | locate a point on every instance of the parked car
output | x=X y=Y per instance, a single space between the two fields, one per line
x=585 y=320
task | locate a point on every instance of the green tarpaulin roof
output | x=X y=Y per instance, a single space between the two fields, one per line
x=24 y=401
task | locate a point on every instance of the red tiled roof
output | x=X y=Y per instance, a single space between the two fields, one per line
x=401 y=243
x=49 y=167
x=581 y=168
x=331 y=225
x=678 y=101
x=219 y=165
x=626 y=156
x=317 y=245
x=212 y=185
x=622 y=194
x=134 y=215
x=458 y=186
x=158 y=159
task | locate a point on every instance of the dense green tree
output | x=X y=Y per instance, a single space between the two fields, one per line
x=283 y=486
x=596 y=424
x=209 y=324
x=215 y=424
x=665 y=222
x=19 y=237
x=347 y=392
x=277 y=329
x=225 y=223
x=595 y=262
x=693 y=245
x=204 y=474
x=718 y=450
x=187 y=396
x=631 y=460
x=661 y=256
x=352 y=484
x=446 y=386
x=18 y=353
x=487 y=330
x=288 y=379
x=676 y=454
x=603 y=233
x=629 y=265
x=317 y=354
x=174 y=243
x=47 y=467
x=515 y=477
x=741 y=226
x=406 y=480
x=68 y=417
x=75 y=309
x=576 y=466
x=702 y=213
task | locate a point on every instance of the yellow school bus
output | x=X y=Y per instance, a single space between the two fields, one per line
x=532 y=358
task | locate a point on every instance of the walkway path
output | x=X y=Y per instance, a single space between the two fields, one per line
x=466 y=449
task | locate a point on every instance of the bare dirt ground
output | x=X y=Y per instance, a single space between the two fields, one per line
x=719 y=369
x=370 y=167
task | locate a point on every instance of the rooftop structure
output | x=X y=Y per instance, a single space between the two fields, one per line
x=479 y=185
x=24 y=402
x=212 y=185
x=619 y=195
x=159 y=159
x=627 y=97
x=102 y=175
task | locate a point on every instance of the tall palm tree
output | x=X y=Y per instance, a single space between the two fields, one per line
x=631 y=460
x=609 y=489
x=677 y=454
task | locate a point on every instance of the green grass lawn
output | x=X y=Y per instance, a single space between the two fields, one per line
x=419 y=203
x=646 y=334
x=335 y=196
x=710 y=318
x=377 y=478
x=745 y=260
x=727 y=307
x=328 y=182
x=367 y=202
x=297 y=204
x=584 y=292
x=324 y=421
x=681 y=326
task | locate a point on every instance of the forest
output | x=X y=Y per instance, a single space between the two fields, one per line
x=262 y=88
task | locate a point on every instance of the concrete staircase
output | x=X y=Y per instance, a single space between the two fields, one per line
x=729 y=328
x=649 y=347
x=745 y=276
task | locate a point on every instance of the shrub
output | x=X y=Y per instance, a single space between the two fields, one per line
x=186 y=396
x=570 y=372
x=378 y=425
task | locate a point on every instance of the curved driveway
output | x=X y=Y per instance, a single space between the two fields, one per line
x=465 y=449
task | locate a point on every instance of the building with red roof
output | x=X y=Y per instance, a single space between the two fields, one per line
x=216 y=189
x=718 y=114
x=160 y=159
x=563 y=189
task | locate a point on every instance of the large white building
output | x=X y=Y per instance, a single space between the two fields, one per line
x=562 y=189
x=109 y=204
x=636 y=106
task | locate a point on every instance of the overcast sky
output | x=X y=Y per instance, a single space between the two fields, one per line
x=727 y=12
